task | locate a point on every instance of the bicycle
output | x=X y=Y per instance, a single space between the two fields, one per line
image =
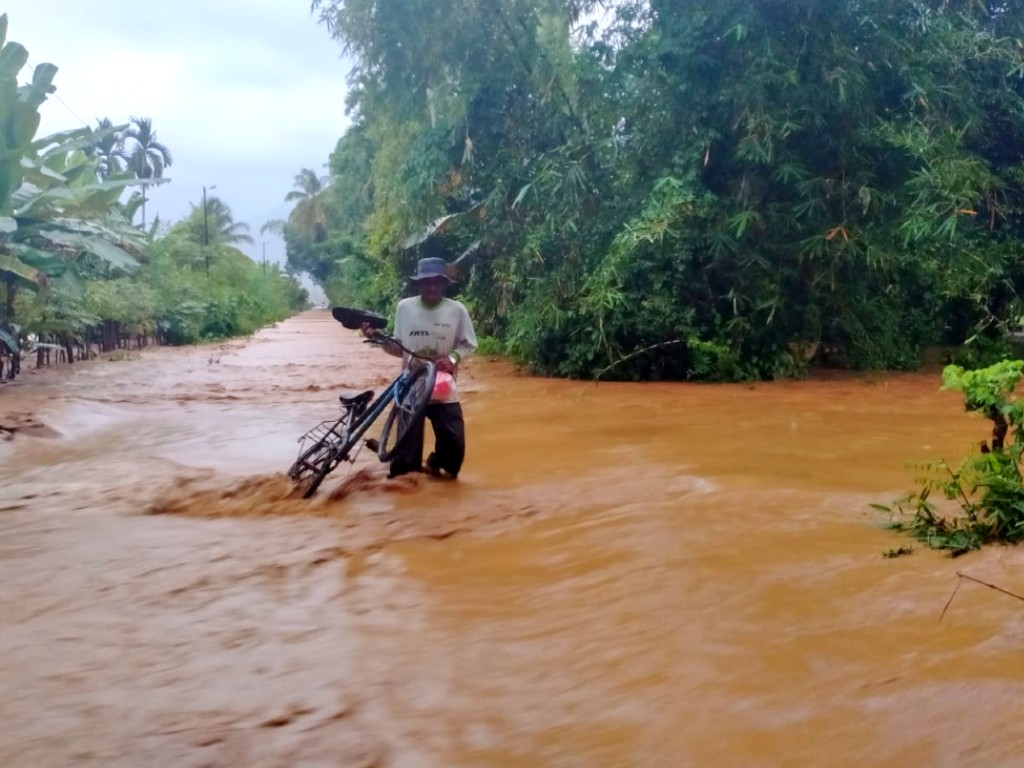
x=329 y=443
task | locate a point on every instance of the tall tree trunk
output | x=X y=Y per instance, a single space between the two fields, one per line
x=69 y=347
x=11 y=291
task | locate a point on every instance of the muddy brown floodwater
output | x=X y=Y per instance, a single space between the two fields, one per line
x=625 y=575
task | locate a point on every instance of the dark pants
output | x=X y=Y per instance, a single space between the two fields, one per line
x=449 y=442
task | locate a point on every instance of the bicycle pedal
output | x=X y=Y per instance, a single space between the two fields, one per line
x=373 y=444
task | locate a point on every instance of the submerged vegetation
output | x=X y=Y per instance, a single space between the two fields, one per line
x=987 y=486
x=739 y=189
x=77 y=276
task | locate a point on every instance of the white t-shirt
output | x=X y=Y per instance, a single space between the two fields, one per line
x=435 y=331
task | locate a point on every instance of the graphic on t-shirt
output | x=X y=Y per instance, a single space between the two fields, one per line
x=434 y=332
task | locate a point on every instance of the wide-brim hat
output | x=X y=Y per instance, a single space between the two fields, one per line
x=432 y=267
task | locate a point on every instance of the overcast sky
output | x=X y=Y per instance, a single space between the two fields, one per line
x=244 y=93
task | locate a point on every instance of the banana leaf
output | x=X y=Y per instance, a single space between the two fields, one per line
x=40 y=175
x=24 y=273
x=47 y=263
x=13 y=58
x=57 y=145
x=116 y=229
x=9 y=340
x=93 y=244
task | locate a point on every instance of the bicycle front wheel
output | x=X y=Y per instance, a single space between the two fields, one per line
x=411 y=401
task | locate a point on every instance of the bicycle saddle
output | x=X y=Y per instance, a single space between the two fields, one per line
x=360 y=401
x=353 y=319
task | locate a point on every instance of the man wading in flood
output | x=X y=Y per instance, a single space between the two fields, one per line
x=439 y=328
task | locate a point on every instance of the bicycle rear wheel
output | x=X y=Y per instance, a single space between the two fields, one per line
x=408 y=408
x=309 y=460
x=327 y=463
x=319 y=459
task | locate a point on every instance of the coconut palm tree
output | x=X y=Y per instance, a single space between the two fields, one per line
x=215 y=224
x=308 y=215
x=146 y=156
x=274 y=226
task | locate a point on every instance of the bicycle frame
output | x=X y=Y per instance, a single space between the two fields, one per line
x=364 y=420
x=331 y=442
x=356 y=424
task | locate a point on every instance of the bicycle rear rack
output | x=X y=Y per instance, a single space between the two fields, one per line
x=318 y=433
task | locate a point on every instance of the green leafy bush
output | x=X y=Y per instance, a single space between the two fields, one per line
x=987 y=485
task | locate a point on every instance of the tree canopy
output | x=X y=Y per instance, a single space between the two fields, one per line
x=690 y=188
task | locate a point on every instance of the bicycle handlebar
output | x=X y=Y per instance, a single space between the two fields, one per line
x=380 y=339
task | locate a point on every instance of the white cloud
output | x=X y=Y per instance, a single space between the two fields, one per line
x=243 y=92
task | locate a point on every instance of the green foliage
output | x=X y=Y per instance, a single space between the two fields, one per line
x=988 y=388
x=66 y=236
x=58 y=223
x=690 y=189
x=144 y=156
x=53 y=312
x=211 y=222
x=19 y=111
x=488 y=346
x=236 y=298
x=169 y=297
x=987 y=486
x=983 y=350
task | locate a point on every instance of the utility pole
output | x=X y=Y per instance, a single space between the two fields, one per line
x=206 y=231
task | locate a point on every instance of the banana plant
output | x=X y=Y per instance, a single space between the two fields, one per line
x=19 y=121
x=57 y=221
